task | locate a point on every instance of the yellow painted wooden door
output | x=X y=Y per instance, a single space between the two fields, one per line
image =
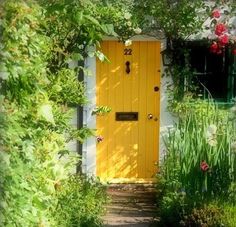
x=129 y=84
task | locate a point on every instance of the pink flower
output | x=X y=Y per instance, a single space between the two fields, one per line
x=99 y=139
x=220 y=29
x=216 y=13
x=224 y=39
x=204 y=166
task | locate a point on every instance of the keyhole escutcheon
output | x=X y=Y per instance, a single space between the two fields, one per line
x=127 y=67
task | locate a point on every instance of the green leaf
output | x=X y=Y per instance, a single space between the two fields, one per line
x=77 y=57
x=93 y=20
x=109 y=29
x=45 y=111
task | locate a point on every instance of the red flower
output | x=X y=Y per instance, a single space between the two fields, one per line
x=214 y=47
x=216 y=13
x=220 y=29
x=234 y=51
x=224 y=39
x=204 y=166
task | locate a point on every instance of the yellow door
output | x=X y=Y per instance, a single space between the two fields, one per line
x=129 y=84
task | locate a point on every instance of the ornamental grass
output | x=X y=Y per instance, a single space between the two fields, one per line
x=200 y=159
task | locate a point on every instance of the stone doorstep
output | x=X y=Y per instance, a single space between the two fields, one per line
x=131 y=221
x=132 y=187
x=131 y=205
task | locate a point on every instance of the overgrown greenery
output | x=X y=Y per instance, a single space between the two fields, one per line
x=197 y=174
x=38 y=84
x=198 y=170
x=81 y=202
x=39 y=39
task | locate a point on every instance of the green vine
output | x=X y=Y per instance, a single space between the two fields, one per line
x=39 y=40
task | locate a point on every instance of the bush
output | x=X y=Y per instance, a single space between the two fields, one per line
x=34 y=115
x=80 y=202
x=198 y=166
x=199 y=155
x=207 y=216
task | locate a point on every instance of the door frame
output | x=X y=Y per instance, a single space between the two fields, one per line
x=89 y=146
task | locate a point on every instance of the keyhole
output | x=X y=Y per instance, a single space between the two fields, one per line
x=127 y=67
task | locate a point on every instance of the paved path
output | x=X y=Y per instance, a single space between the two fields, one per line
x=131 y=206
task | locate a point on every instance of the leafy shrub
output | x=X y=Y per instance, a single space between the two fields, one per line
x=207 y=216
x=199 y=163
x=80 y=202
x=199 y=154
x=34 y=114
x=229 y=215
x=171 y=209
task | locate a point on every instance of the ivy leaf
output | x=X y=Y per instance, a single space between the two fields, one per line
x=77 y=57
x=101 y=56
x=45 y=111
x=93 y=20
x=109 y=29
x=4 y=158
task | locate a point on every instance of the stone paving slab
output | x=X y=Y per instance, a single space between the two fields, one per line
x=131 y=205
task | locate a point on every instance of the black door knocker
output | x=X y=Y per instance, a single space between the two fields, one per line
x=127 y=67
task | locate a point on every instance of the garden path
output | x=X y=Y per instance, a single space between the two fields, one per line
x=132 y=205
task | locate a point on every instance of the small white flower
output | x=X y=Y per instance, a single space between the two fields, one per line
x=211 y=135
x=129 y=23
x=212 y=129
x=4 y=75
x=233 y=146
x=177 y=133
x=212 y=142
x=137 y=30
x=128 y=42
x=233 y=109
x=127 y=15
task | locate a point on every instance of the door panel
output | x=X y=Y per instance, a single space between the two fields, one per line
x=129 y=150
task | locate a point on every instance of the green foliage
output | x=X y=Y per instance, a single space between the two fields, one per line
x=229 y=215
x=207 y=216
x=171 y=208
x=64 y=87
x=78 y=203
x=177 y=19
x=123 y=16
x=100 y=110
x=39 y=40
x=203 y=134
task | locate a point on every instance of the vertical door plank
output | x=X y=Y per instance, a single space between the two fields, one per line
x=142 y=109
x=102 y=94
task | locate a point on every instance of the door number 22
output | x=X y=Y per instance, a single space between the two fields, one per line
x=127 y=51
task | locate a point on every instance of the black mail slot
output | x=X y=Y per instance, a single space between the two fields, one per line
x=126 y=116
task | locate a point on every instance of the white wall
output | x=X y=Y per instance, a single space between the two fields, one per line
x=89 y=146
x=166 y=119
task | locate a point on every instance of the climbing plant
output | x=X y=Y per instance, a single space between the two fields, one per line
x=39 y=40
